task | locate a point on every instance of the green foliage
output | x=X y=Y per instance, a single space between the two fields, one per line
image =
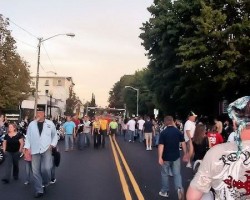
x=199 y=53
x=14 y=71
x=119 y=97
x=71 y=102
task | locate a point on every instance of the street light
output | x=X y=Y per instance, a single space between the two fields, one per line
x=137 y=105
x=40 y=40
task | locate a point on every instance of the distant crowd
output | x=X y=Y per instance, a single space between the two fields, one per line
x=36 y=142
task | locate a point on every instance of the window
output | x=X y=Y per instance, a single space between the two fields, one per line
x=47 y=83
x=59 y=82
x=47 y=92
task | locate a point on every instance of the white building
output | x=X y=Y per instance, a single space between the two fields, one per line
x=53 y=91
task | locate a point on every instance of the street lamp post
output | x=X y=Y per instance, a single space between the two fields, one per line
x=40 y=40
x=137 y=102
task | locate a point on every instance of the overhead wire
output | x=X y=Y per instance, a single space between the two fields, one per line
x=8 y=19
x=49 y=58
x=30 y=45
x=31 y=34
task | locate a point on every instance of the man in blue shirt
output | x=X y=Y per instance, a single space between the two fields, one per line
x=169 y=157
x=69 y=130
x=41 y=137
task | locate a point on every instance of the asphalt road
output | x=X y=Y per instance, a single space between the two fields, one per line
x=92 y=175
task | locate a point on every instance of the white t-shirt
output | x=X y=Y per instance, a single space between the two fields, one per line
x=140 y=124
x=189 y=126
x=131 y=125
x=86 y=128
x=227 y=175
x=231 y=137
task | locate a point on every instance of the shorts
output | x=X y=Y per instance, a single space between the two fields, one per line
x=112 y=131
x=148 y=136
x=188 y=144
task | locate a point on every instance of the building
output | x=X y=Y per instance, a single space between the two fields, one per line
x=53 y=91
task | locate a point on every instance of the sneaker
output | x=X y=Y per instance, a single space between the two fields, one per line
x=180 y=194
x=26 y=183
x=163 y=194
x=189 y=165
x=150 y=148
x=129 y=141
x=147 y=149
x=53 y=181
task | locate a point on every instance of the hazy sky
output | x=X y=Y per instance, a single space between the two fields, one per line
x=106 y=45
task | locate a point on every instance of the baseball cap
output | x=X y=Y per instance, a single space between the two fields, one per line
x=40 y=108
x=191 y=113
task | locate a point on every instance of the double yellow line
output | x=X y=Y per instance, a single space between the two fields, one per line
x=116 y=149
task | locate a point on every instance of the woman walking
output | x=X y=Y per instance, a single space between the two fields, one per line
x=12 y=148
x=201 y=142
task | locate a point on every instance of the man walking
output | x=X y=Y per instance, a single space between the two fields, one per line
x=149 y=130
x=40 y=139
x=169 y=157
x=70 y=134
x=103 y=129
x=131 y=129
x=189 y=129
x=87 y=130
x=113 y=127
x=140 y=123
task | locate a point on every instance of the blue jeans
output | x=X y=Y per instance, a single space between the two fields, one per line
x=157 y=137
x=176 y=170
x=53 y=169
x=87 y=138
x=41 y=167
x=28 y=171
x=67 y=139
x=81 y=139
x=141 y=136
x=131 y=135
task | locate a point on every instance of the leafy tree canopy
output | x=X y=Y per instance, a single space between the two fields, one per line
x=14 y=71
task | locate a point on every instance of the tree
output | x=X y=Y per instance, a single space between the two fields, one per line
x=71 y=102
x=126 y=98
x=218 y=51
x=199 y=53
x=14 y=71
x=92 y=102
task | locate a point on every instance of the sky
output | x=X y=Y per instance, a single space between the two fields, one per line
x=106 y=45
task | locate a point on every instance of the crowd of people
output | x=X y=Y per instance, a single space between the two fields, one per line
x=198 y=138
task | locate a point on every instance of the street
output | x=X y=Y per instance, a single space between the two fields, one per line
x=92 y=174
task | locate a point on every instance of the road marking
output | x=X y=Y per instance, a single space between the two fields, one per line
x=131 y=176
x=120 y=172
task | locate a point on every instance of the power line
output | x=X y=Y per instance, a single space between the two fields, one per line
x=26 y=43
x=42 y=68
x=49 y=57
x=8 y=19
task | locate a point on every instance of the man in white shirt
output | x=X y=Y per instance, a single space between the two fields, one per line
x=131 y=129
x=87 y=130
x=140 y=129
x=41 y=137
x=189 y=129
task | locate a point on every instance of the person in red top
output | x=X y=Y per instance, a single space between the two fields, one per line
x=214 y=137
